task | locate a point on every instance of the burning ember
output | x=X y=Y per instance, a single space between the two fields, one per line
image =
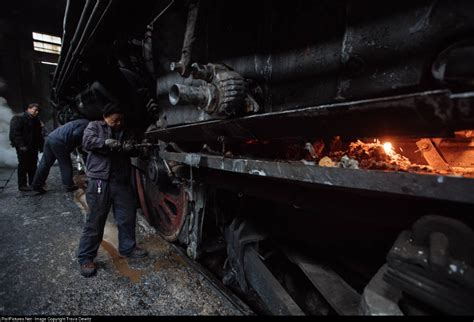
x=456 y=154
x=375 y=155
x=382 y=157
x=387 y=146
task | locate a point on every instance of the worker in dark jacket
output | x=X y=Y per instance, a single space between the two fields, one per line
x=108 y=169
x=26 y=136
x=58 y=146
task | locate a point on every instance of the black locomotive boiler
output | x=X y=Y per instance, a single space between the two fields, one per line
x=316 y=155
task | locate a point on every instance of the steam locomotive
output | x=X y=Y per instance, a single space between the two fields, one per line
x=247 y=112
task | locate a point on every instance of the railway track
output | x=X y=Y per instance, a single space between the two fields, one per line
x=215 y=283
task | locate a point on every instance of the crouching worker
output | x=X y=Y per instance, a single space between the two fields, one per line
x=108 y=169
x=58 y=146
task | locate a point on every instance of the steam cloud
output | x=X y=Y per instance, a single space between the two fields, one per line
x=7 y=153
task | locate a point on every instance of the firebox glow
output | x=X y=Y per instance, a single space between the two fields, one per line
x=387 y=146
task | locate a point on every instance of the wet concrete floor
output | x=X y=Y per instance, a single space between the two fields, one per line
x=39 y=273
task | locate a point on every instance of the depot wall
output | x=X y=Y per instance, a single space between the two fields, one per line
x=24 y=79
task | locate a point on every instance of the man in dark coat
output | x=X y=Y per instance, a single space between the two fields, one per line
x=26 y=136
x=108 y=169
x=58 y=146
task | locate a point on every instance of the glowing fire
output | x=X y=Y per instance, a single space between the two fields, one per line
x=387 y=146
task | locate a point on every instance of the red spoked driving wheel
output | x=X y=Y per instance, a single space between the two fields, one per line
x=164 y=207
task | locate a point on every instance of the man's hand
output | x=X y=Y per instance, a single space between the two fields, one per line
x=128 y=146
x=113 y=145
x=23 y=149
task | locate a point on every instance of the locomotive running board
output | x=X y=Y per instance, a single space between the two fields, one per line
x=448 y=188
x=422 y=114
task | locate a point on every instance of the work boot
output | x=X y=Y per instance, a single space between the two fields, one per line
x=88 y=269
x=137 y=252
x=72 y=188
x=38 y=190
x=24 y=188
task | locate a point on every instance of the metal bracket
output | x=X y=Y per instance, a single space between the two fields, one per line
x=432 y=154
x=197 y=206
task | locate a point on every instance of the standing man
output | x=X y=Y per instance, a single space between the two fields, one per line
x=108 y=169
x=26 y=136
x=58 y=146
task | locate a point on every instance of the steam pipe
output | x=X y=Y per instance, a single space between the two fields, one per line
x=66 y=41
x=164 y=84
x=99 y=22
x=72 y=44
x=202 y=96
x=89 y=31
x=81 y=49
x=76 y=41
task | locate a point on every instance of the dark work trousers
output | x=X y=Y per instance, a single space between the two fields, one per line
x=121 y=198
x=54 y=150
x=26 y=166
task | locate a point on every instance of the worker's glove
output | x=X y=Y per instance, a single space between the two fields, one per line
x=113 y=145
x=23 y=149
x=128 y=146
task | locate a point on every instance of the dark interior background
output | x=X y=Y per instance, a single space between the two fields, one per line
x=24 y=79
